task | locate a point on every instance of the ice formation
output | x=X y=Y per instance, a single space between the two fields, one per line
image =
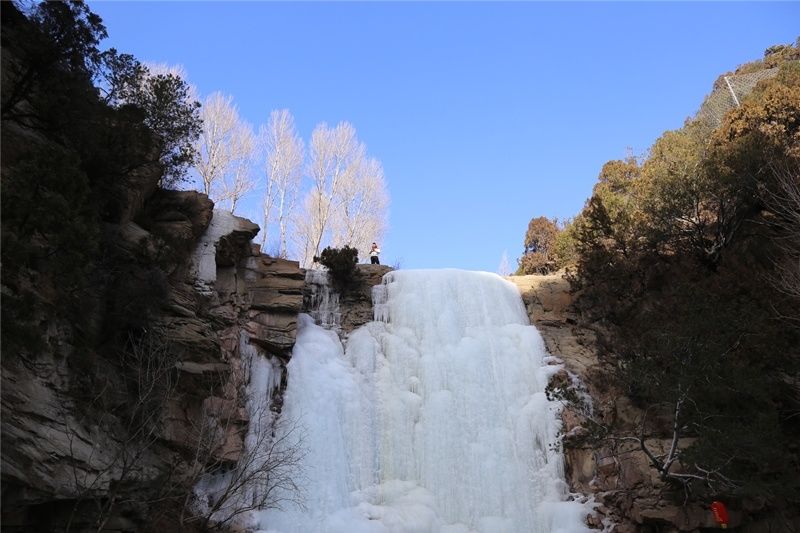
x=204 y=265
x=324 y=300
x=434 y=418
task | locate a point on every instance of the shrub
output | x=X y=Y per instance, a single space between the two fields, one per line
x=341 y=265
x=565 y=246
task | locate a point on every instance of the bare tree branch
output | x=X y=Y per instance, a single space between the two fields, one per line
x=224 y=150
x=283 y=168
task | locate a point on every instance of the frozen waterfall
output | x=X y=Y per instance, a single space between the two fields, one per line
x=433 y=419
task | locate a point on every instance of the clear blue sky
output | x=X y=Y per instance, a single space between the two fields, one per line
x=484 y=115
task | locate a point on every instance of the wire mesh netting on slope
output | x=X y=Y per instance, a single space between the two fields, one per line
x=730 y=94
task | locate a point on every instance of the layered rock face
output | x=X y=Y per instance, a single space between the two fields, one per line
x=83 y=446
x=232 y=295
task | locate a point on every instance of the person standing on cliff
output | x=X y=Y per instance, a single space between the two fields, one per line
x=373 y=254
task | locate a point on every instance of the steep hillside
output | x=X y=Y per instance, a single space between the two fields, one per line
x=684 y=265
x=618 y=473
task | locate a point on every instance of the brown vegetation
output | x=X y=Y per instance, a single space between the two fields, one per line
x=687 y=269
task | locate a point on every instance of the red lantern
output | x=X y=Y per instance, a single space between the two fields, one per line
x=720 y=514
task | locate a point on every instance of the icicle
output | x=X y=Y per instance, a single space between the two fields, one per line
x=324 y=300
x=380 y=296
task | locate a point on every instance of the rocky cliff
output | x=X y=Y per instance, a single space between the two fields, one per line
x=114 y=438
x=631 y=496
x=347 y=310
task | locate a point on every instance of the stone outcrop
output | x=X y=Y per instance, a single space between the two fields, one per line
x=275 y=289
x=356 y=304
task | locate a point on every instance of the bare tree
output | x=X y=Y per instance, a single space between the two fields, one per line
x=668 y=430
x=284 y=152
x=335 y=156
x=503 y=269
x=266 y=476
x=307 y=226
x=348 y=200
x=238 y=180
x=148 y=366
x=239 y=463
x=362 y=207
x=267 y=471
x=223 y=144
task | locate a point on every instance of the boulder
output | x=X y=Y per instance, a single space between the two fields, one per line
x=654 y=512
x=275 y=300
x=274 y=285
x=548 y=300
x=181 y=300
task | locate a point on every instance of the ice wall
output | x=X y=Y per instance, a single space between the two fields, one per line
x=434 y=419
